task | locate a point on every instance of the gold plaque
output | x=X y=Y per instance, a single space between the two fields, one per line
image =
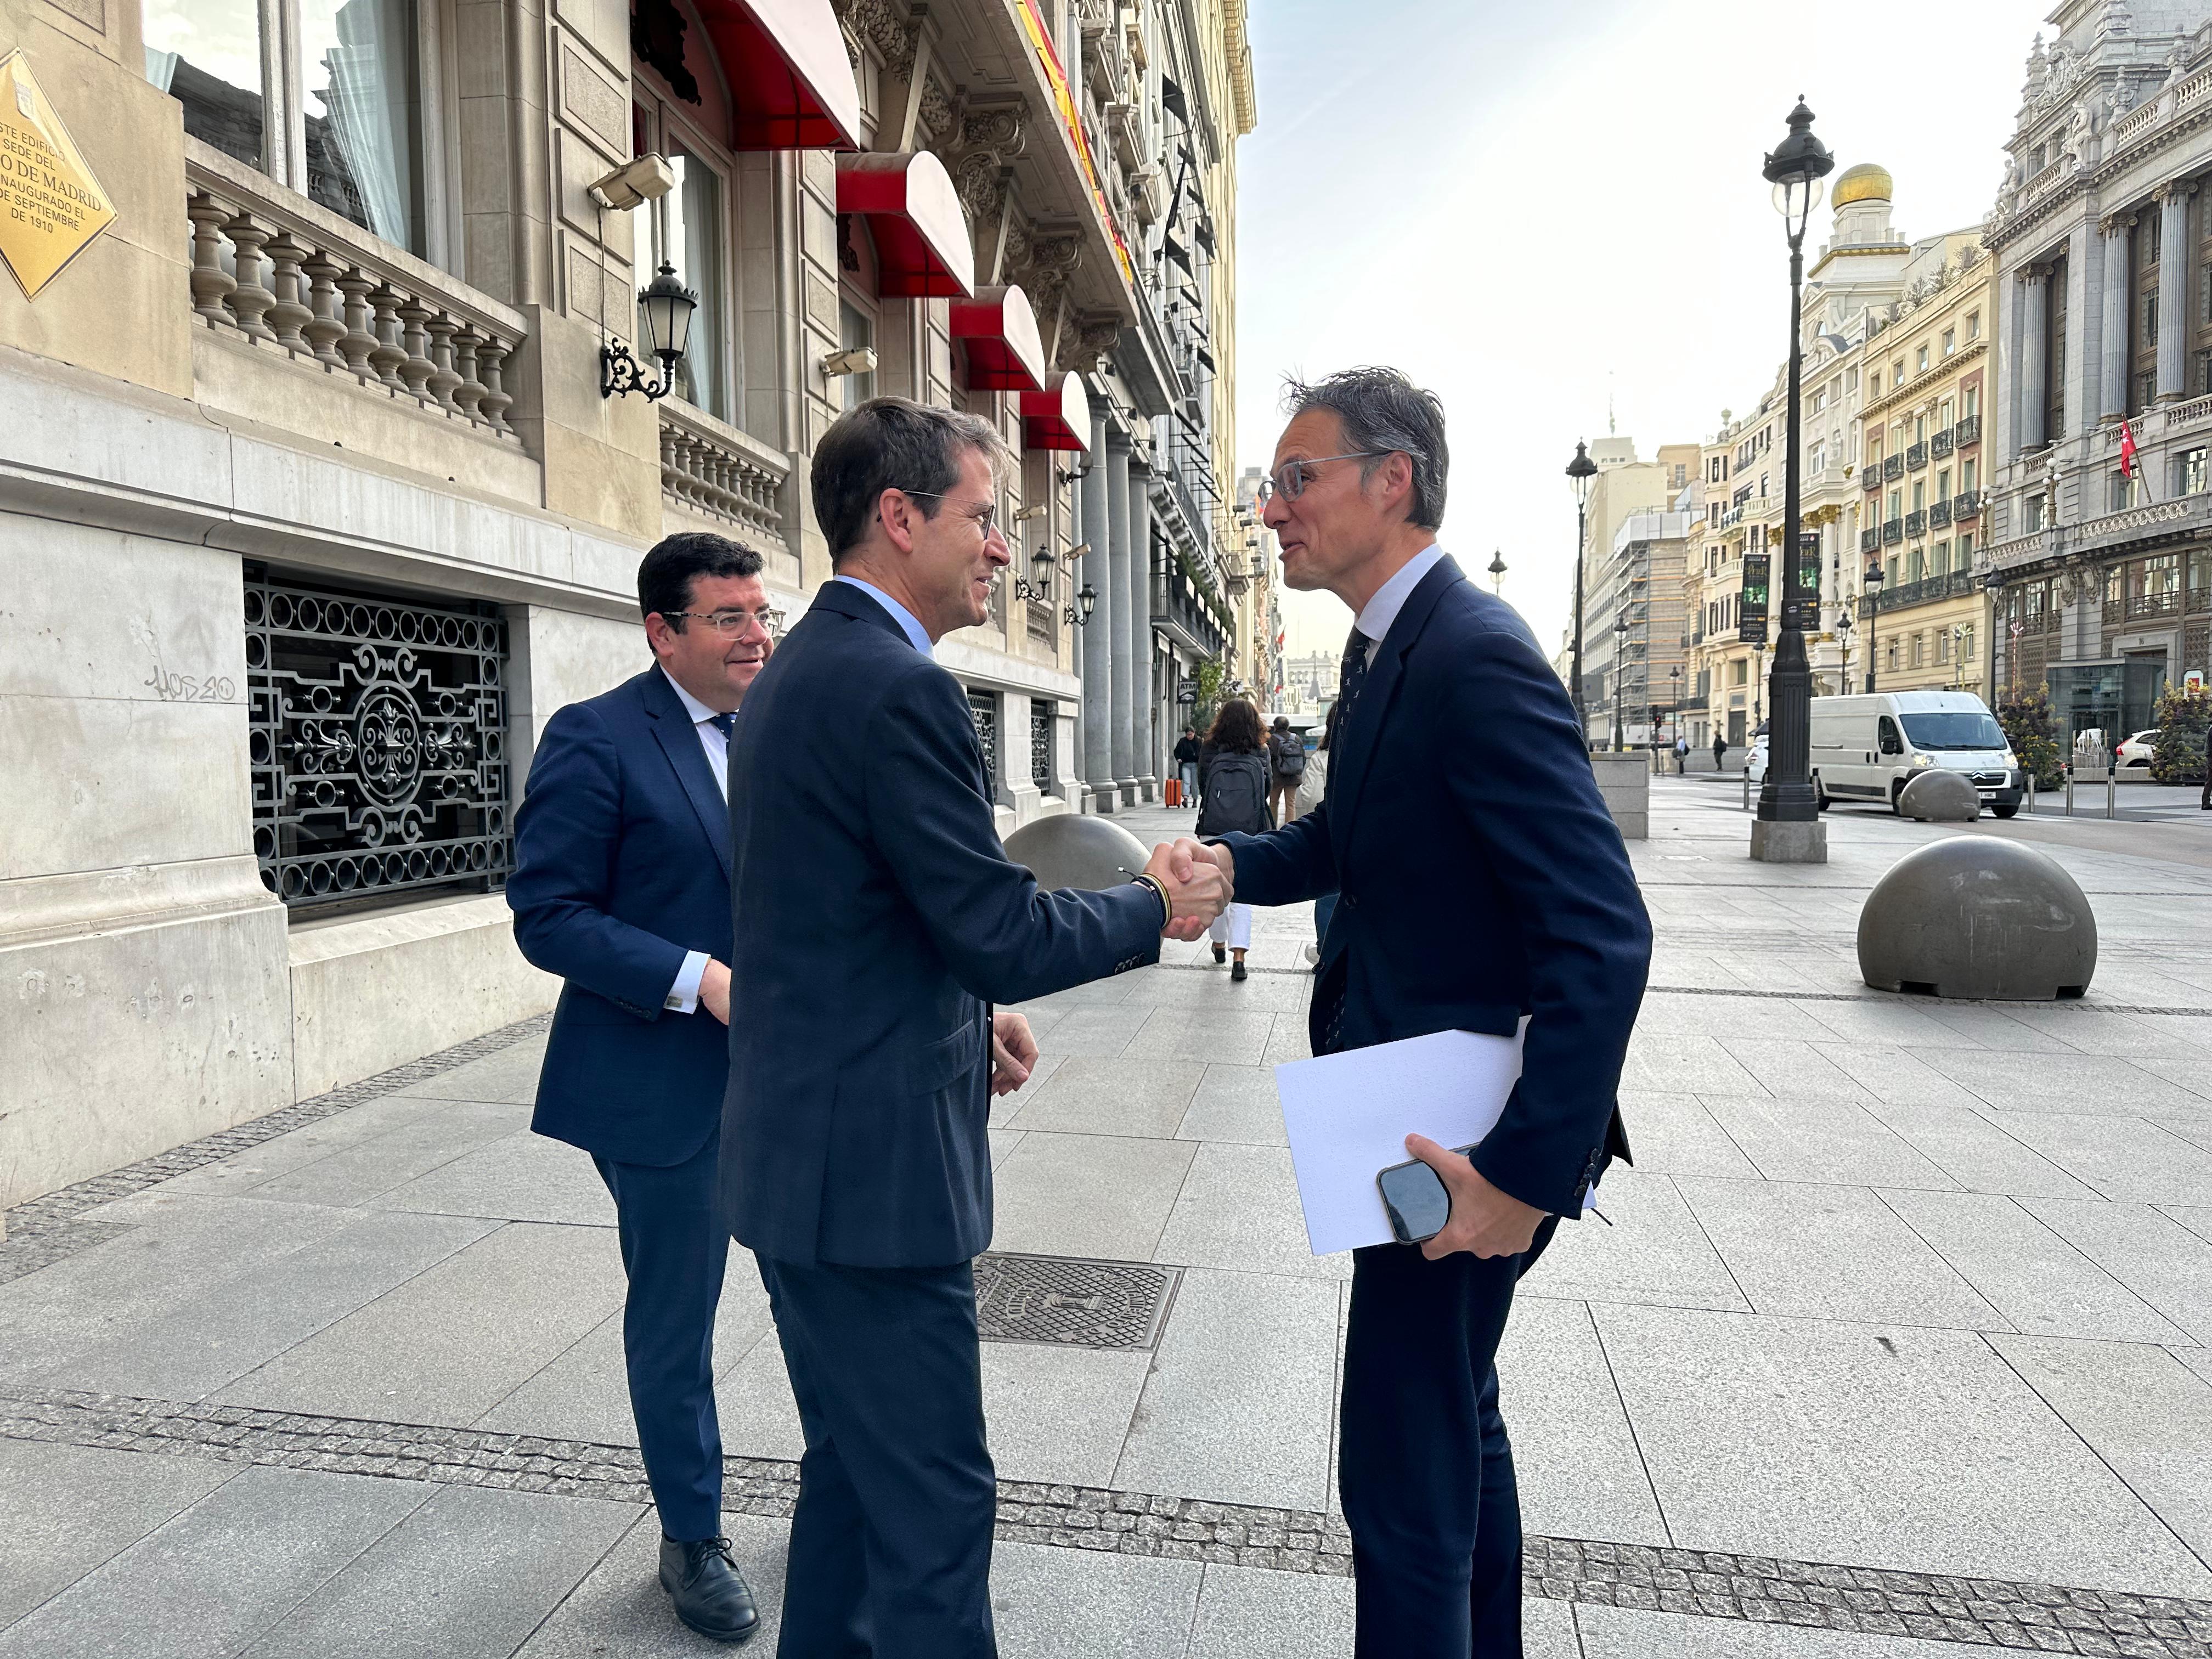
x=50 y=206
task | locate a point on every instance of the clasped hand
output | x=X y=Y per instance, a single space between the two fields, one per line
x=1200 y=883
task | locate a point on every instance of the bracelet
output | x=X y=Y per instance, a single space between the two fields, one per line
x=1159 y=891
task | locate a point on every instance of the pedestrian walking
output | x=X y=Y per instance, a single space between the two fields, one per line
x=1185 y=757
x=1236 y=800
x=1681 y=756
x=1720 y=748
x=1286 y=761
x=622 y=886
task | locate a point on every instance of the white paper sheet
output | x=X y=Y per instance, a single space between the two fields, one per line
x=1348 y=1116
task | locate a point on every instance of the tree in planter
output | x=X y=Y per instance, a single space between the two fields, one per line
x=2178 y=755
x=2025 y=717
x=1210 y=676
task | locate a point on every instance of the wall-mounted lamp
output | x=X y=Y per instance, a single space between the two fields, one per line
x=861 y=360
x=1041 y=561
x=665 y=308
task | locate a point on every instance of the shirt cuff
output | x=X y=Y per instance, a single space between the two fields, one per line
x=683 y=996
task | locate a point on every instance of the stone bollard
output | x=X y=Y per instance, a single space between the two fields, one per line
x=1975 y=916
x=1940 y=797
x=1069 y=851
x=1625 y=786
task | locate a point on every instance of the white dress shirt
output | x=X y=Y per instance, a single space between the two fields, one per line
x=683 y=996
x=1380 y=611
x=916 y=635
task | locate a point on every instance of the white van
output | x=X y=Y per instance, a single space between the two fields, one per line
x=1868 y=747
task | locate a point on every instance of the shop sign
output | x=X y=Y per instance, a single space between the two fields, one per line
x=50 y=206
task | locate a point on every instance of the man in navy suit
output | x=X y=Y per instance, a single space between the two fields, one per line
x=622 y=886
x=1482 y=880
x=878 y=921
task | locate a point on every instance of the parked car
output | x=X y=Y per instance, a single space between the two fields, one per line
x=1868 y=747
x=1755 y=767
x=2137 y=750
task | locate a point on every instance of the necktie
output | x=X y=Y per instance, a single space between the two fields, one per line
x=722 y=723
x=1351 y=676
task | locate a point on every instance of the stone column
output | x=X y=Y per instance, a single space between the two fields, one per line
x=1143 y=673
x=2035 y=325
x=1124 y=687
x=2112 y=381
x=2173 y=287
x=1016 y=783
x=1096 y=568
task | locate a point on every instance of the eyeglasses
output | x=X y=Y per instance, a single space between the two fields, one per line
x=732 y=625
x=985 y=517
x=1291 y=478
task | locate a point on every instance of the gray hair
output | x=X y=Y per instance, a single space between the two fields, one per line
x=894 y=443
x=1384 y=412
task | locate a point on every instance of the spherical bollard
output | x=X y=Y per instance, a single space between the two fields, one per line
x=1067 y=850
x=1939 y=797
x=1974 y=916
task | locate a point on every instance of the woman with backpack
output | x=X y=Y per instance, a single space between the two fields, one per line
x=1287 y=759
x=1234 y=786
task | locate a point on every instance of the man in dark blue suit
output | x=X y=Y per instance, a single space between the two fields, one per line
x=622 y=886
x=1482 y=880
x=878 y=921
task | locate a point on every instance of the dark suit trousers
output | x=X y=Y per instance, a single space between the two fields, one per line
x=674 y=1247
x=890 y=1544
x=1424 y=1465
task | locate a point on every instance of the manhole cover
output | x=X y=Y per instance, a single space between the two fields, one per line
x=1070 y=1303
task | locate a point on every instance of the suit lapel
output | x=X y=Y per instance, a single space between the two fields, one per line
x=1384 y=673
x=679 y=741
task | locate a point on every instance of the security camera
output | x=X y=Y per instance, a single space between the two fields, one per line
x=1028 y=513
x=861 y=360
x=647 y=178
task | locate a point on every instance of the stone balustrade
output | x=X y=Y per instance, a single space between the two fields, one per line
x=277 y=271
x=718 y=470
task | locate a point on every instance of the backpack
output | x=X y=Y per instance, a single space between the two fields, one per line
x=1289 y=755
x=1235 y=796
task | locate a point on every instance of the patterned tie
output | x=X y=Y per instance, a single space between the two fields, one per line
x=722 y=723
x=1350 y=677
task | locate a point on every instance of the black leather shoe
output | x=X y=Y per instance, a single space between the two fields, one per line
x=1237 y=972
x=1221 y=953
x=710 y=1594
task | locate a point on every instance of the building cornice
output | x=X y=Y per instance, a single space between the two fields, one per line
x=1925 y=382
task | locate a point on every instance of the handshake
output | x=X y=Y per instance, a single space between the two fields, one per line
x=1199 y=880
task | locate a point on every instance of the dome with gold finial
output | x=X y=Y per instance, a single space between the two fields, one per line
x=1865 y=183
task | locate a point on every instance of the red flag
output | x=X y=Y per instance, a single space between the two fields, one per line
x=2127 y=450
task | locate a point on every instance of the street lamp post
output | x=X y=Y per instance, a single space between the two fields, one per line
x=1785 y=797
x=1580 y=471
x=1619 y=679
x=1872 y=580
x=1843 y=641
x=1498 y=571
x=1675 y=700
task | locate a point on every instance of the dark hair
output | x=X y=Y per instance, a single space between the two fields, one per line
x=1328 y=725
x=1282 y=722
x=665 y=575
x=1236 y=729
x=1384 y=412
x=892 y=443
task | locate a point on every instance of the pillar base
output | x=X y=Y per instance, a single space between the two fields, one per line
x=1777 y=842
x=1127 y=788
x=1148 y=789
x=1105 y=798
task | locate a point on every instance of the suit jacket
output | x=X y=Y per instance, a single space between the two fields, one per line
x=877 y=917
x=1482 y=879
x=622 y=868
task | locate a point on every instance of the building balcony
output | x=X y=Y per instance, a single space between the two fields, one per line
x=1916 y=524
x=1892 y=467
x=1968 y=431
x=1940 y=445
x=1871 y=476
x=2143 y=607
x=1938 y=515
x=1956 y=584
x=1870 y=538
x=1916 y=457
x=715 y=470
x=1893 y=532
x=1966 y=504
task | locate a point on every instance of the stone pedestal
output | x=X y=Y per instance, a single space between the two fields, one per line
x=1789 y=843
x=1624 y=782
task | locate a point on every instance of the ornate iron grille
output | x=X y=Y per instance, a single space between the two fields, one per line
x=1041 y=724
x=379 y=743
x=983 y=708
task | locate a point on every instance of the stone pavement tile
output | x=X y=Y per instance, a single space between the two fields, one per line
x=1092 y=1195
x=356 y=1173
x=2131 y=1036
x=1249 y=1612
x=2197 y=1219
x=1985 y=1027
x=1049 y=1602
x=2192 y=1074
x=753 y=1403
x=1919 y=1451
x=1793 y=1070
x=2091 y=1084
x=1242 y=1395
x=1804 y=1138
x=1814 y=1252
x=1884 y=1022
x=1003 y=1141
x=1201 y=1035
x=2151 y=1252
x=1747 y=1018
x=1109 y=992
x=509 y=1075
x=1655 y=1251
x=217 y=1335
x=2031 y=1275
x=1239 y=1210
x=1059 y=1415
x=1209 y=989
x=1289 y=1041
x=1631 y=1633
x=65 y=1509
x=473 y=1572
x=1104 y=1031
x=449 y=1344
x=1574 y=1455
x=178 y=1247
x=2142 y=1410
x=520 y=1177
x=222 y=1572
x=1235 y=1102
x=1970 y=1145
x=1141 y=1093
x=1004 y=1107
x=2198 y=1360
x=1673 y=1134
x=309 y=1144
x=1685 y=1064
x=619 y=1608
x=1900 y=1076
x=1547 y=1631
x=2123 y=1157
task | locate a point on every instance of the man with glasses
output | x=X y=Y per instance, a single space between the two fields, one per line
x=622 y=886
x=881 y=924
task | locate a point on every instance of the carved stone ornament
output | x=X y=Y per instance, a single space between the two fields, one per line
x=884 y=26
x=2117 y=18
x=1093 y=336
x=935 y=118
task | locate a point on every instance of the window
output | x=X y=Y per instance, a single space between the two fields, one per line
x=2204 y=293
x=2189 y=472
x=1850 y=380
x=1919 y=650
x=1817 y=460
x=684 y=229
x=1897 y=373
x=2200 y=373
x=1966 y=551
x=1740 y=672
x=2119 y=492
x=1916 y=565
x=1973 y=403
x=2145 y=388
x=1966 y=642
x=1969 y=470
x=2031 y=510
x=1942 y=646
x=1896 y=503
x=1939 y=560
x=1920 y=361
x=2150 y=317
x=1943 y=414
x=1950 y=341
x=1890 y=653
x=1820 y=399
x=1973 y=326
x=1762 y=486
x=360 y=146
x=1942 y=483
x=1920 y=495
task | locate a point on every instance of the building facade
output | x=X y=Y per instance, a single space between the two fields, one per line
x=319 y=505
x=1617 y=580
x=2102 y=250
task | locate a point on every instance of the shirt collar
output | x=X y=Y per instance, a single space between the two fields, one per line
x=1390 y=599
x=698 y=711
x=916 y=635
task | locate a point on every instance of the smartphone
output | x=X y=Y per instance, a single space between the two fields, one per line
x=1414 y=1199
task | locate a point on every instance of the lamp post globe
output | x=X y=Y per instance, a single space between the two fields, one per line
x=1580 y=471
x=1497 y=571
x=668 y=305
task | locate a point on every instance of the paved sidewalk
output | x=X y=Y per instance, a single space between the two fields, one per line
x=1899 y=1332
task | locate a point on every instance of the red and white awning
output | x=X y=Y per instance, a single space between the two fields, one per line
x=790 y=84
x=922 y=246
x=1058 y=417
x=1005 y=351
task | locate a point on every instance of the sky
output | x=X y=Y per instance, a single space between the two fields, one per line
x=1544 y=211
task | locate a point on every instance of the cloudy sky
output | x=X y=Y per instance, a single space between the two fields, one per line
x=1534 y=208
